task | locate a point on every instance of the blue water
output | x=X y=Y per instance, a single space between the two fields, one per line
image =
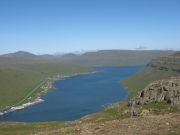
x=78 y=96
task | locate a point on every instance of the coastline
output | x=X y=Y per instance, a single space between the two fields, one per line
x=23 y=106
x=48 y=85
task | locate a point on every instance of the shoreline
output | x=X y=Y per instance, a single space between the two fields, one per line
x=23 y=106
x=59 y=77
x=45 y=88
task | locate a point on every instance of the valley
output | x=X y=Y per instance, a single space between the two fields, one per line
x=126 y=117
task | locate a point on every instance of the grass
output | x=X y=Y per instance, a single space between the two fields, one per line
x=116 y=111
x=18 y=81
x=31 y=128
x=160 y=108
x=172 y=133
x=15 y=84
x=139 y=81
x=113 y=112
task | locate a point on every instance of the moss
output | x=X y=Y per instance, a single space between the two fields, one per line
x=31 y=128
x=114 y=112
x=68 y=130
x=174 y=133
x=161 y=107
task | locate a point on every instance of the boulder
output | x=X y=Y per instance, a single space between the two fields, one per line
x=160 y=91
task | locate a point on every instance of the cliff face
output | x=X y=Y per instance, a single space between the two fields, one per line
x=161 y=91
x=171 y=62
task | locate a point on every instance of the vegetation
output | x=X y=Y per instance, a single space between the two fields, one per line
x=32 y=128
x=112 y=112
x=19 y=77
x=176 y=133
x=137 y=82
x=160 y=108
x=15 y=85
x=157 y=69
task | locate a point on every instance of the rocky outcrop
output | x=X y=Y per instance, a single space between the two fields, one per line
x=160 y=91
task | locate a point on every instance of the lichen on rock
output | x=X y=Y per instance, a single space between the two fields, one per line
x=161 y=91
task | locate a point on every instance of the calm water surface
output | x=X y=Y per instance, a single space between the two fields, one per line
x=78 y=96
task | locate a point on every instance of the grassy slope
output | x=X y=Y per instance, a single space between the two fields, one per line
x=15 y=84
x=140 y=80
x=32 y=128
x=17 y=80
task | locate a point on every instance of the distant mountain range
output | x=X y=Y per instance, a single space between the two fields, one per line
x=115 y=57
x=19 y=54
x=96 y=58
x=24 y=54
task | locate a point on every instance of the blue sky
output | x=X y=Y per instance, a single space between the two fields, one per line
x=50 y=26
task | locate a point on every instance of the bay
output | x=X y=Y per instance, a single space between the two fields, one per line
x=77 y=96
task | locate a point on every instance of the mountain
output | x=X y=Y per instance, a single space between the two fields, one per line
x=18 y=54
x=114 y=57
x=69 y=56
x=90 y=59
x=27 y=55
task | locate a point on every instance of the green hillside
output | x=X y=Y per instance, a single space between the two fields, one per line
x=157 y=69
x=20 y=76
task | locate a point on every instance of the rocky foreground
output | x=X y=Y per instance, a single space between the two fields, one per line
x=161 y=91
x=167 y=124
x=154 y=111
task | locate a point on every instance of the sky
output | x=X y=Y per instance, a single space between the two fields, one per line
x=52 y=26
